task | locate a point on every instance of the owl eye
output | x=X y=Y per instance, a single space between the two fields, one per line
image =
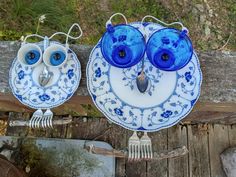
x=169 y=49
x=57 y=58
x=32 y=57
x=29 y=54
x=123 y=46
x=55 y=55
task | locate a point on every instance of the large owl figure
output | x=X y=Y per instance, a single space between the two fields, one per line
x=44 y=75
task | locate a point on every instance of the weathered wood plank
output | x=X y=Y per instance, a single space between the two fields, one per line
x=219 y=76
x=177 y=137
x=232 y=135
x=218 y=142
x=203 y=112
x=199 y=164
x=10 y=104
x=159 y=143
x=117 y=136
x=217 y=98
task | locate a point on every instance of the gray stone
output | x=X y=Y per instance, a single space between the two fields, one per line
x=200 y=7
x=228 y=158
x=207 y=31
x=202 y=19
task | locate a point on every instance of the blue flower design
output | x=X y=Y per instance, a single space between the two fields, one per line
x=44 y=97
x=21 y=74
x=166 y=114
x=70 y=73
x=188 y=76
x=122 y=38
x=110 y=28
x=19 y=97
x=98 y=72
x=118 y=111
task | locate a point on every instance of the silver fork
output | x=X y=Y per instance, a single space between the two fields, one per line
x=134 y=147
x=47 y=119
x=36 y=116
x=146 y=146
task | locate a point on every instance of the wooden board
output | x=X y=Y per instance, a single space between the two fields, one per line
x=199 y=162
x=159 y=143
x=217 y=102
x=232 y=135
x=177 y=137
x=204 y=142
x=218 y=142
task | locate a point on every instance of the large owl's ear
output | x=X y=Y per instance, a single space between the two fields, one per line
x=55 y=55
x=29 y=54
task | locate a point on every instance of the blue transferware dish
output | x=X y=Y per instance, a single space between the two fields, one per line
x=122 y=45
x=24 y=81
x=169 y=49
x=170 y=96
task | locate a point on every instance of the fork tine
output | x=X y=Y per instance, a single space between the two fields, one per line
x=144 y=151
x=44 y=122
x=150 y=147
x=135 y=152
x=33 y=121
x=47 y=122
x=37 y=122
x=151 y=154
x=129 y=151
x=148 y=151
x=132 y=152
x=51 y=125
x=138 y=150
x=41 y=122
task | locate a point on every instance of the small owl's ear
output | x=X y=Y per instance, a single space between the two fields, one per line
x=55 y=55
x=29 y=54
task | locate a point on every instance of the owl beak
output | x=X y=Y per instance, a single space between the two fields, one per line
x=45 y=76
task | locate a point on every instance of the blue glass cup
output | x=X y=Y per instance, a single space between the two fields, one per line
x=122 y=45
x=169 y=49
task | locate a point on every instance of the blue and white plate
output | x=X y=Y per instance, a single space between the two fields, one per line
x=169 y=98
x=24 y=82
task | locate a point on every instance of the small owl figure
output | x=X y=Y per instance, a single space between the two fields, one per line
x=44 y=75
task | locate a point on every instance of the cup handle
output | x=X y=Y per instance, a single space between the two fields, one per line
x=69 y=31
x=183 y=28
x=109 y=21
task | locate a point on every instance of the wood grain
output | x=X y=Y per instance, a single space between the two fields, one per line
x=218 y=142
x=204 y=144
x=177 y=137
x=159 y=143
x=199 y=163
x=217 y=103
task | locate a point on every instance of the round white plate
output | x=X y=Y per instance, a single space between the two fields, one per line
x=169 y=98
x=64 y=82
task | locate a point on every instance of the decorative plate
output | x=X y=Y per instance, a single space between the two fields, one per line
x=64 y=82
x=169 y=98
